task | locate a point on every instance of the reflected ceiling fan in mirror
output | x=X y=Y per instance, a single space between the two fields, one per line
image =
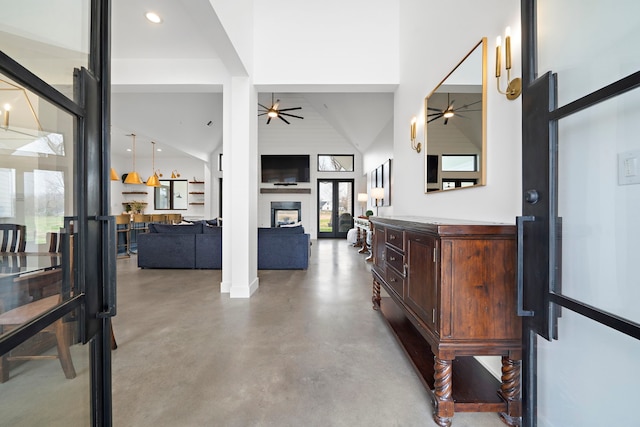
x=450 y=111
x=274 y=111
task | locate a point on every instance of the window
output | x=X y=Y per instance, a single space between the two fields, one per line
x=459 y=163
x=172 y=194
x=7 y=193
x=335 y=162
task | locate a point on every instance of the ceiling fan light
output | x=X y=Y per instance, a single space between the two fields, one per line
x=272 y=113
x=448 y=114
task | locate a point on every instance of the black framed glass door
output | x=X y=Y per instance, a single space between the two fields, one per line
x=576 y=268
x=335 y=207
x=57 y=291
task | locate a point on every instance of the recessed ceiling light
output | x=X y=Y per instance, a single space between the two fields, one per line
x=128 y=149
x=159 y=149
x=153 y=17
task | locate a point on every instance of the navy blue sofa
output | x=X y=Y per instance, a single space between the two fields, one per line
x=200 y=246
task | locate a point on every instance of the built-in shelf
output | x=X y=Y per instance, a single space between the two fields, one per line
x=196 y=182
x=134 y=192
x=196 y=203
x=196 y=192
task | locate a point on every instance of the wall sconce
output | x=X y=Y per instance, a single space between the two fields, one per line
x=362 y=199
x=5 y=121
x=175 y=174
x=414 y=145
x=514 y=87
x=378 y=194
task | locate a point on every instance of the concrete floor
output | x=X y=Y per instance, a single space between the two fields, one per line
x=305 y=350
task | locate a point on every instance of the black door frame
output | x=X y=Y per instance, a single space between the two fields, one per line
x=95 y=299
x=335 y=217
x=539 y=229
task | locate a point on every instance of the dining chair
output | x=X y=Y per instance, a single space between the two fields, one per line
x=14 y=237
x=11 y=319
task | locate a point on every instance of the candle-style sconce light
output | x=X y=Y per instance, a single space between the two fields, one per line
x=414 y=144
x=514 y=87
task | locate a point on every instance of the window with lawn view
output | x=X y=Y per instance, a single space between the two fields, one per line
x=335 y=162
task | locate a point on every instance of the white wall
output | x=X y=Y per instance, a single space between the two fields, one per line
x=425 y=59
x=188 y=167
x=313 y=136
x=328 y=42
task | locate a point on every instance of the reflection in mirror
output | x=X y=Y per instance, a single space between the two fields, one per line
x=455 y=117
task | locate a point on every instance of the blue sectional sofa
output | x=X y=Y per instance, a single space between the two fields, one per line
x=200 y=246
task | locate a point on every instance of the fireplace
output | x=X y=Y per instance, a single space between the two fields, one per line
x=285 y=213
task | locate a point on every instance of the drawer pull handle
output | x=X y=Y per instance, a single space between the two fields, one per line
x=392 y=237
x=392 y=280
x=405 y=269
x=392 y=258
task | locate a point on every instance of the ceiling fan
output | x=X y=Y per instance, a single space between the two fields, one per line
x=449 y=112
x=274 y=111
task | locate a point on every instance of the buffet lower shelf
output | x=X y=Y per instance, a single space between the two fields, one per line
x=474 y=389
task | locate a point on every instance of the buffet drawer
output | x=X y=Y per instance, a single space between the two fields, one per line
x=395 y=259
x=396 y=282
x=395 y=238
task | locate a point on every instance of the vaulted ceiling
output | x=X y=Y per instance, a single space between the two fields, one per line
x=186 y=118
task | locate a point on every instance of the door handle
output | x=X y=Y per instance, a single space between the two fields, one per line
x=520 y=220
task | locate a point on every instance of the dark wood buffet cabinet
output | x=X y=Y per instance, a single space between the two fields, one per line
x=451 y=296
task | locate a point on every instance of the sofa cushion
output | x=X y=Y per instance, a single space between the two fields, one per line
x=279 y=231
x=209 y=229
x=175 y=229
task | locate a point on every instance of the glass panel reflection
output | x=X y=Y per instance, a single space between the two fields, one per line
x=599 y=198
x=586 y=59
x=49 y=38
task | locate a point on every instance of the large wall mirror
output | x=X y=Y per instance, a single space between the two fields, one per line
x=455 y=120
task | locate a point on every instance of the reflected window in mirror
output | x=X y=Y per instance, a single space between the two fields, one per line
x=335 y=162
x=454 y=125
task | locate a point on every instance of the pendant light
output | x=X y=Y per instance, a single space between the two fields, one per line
x=153 y=180
x=114 y=175
x=133 y=177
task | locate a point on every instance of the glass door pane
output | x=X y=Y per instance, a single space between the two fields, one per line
x=44 y=380
x=335 y=207
x=345 y=206
x=325 y=207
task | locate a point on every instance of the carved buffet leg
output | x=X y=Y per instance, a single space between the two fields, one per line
x=442 y=389
x=510 y=391
x=376 y=295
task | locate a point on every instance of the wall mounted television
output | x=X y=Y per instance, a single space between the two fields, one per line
x=285 y=168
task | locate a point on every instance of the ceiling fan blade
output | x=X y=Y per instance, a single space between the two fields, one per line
x=446 y=120
x=262 y=106
x=469 y=105
x=262 y=114
x=290 y=115
x=435 y=118
x=269 y=119
x=434 y=109
x=289 y=109
x=439 y=113
x=284 y=120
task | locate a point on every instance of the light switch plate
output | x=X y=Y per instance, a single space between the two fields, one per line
x=629 y=168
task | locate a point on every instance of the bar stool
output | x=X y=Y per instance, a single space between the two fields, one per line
x=139 y=224
x=158 y=218
x=123 y=229
x=174 y=218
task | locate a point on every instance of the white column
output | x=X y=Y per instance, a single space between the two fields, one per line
x=240 y=192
